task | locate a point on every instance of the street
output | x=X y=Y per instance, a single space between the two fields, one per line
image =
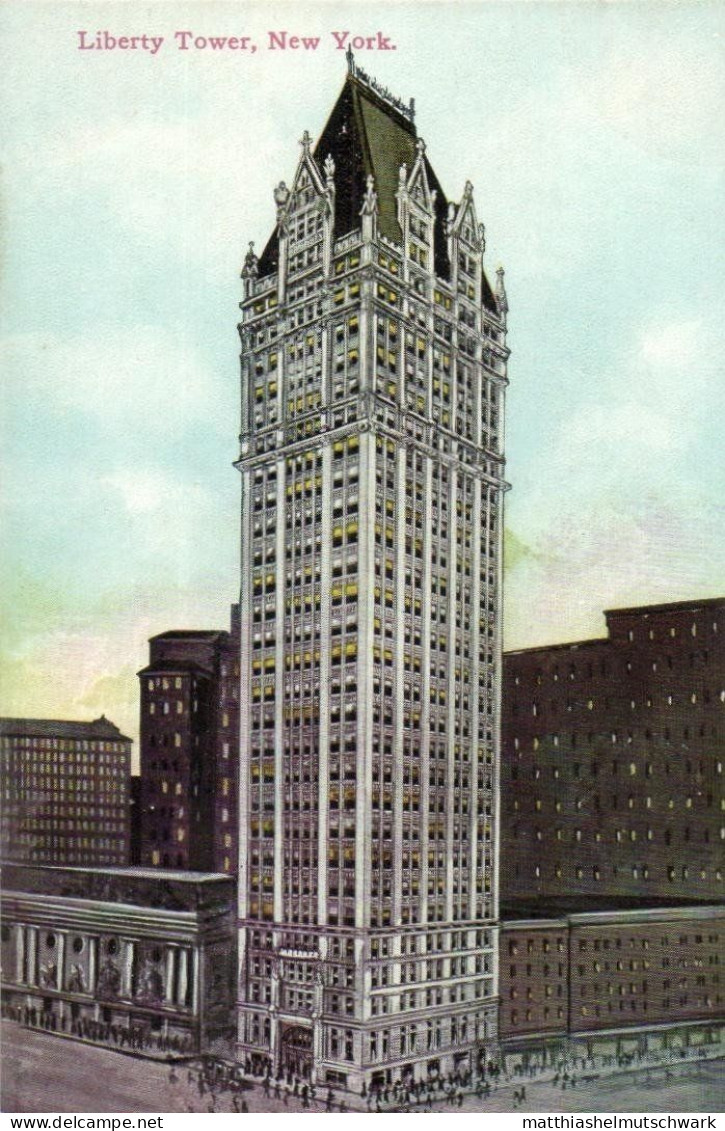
x=46 y=1073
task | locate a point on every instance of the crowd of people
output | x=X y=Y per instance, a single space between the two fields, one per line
x=116 y=1035
x=218 y=1084
x=215 y=1085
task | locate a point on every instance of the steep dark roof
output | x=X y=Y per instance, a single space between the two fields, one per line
x=366 y=135
x=61 y=728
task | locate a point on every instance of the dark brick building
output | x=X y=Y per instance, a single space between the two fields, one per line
x=189 y=750
x=599 y=976
x=65 y=792
x=612 y=760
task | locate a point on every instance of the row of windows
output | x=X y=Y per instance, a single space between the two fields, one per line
x=29 y=745
x=633 y=871
x=693 y=698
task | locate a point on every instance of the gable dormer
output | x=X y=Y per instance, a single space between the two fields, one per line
x=466 y=244
x=305 y=217
x=416 y=202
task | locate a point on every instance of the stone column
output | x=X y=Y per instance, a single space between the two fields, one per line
x=183 y=983
x=317 y=1050
x=127 y=971
x=20 y=953
x=170 y=974
x=61 y=962
x=274 y=1041
x=32 y=939
x=92 y=964
x=195 y=981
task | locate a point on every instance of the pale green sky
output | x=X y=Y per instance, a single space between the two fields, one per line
x=593 y=136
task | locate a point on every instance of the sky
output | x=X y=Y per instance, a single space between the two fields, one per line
x=592 y=133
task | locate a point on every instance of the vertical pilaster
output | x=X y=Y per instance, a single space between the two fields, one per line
x=366 y=598
x=323 y=771
x=279 y=823
x=398 y=680
x=451 y=729
x=498 y=494
x=425 y=689
x=474 y=692
x=245 y=643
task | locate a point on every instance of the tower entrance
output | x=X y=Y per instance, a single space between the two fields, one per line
x=296 y=1052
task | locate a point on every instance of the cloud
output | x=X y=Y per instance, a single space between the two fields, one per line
x=144 y=378
x=144 y=491
x=672 y=344
x=615 y=508
x=664 y=97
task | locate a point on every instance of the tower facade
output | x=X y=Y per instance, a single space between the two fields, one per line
x=373 y=376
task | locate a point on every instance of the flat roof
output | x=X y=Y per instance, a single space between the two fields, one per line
x=192 y=633
x=160 y=667
x=635 y=610
x=569 y=646
x=518 y=914
x=671 y=606
x=168 y=874
x=61 y=728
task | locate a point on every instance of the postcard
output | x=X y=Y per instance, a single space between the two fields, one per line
x=363 y=670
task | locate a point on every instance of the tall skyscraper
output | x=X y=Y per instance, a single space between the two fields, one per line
x=373 y=376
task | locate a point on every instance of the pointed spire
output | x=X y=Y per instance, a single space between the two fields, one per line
x=501 y=299
x=350 y=61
